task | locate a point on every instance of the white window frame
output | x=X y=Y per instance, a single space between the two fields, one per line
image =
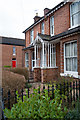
x=26 y=60
x=52 y=56
x=51 y=25
x=33 y=60
x=70 y=73
x=42 y=28
x=31 y=36
x=72 y=26
x=14 y=50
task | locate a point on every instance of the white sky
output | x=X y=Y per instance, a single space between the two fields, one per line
x=17 y=15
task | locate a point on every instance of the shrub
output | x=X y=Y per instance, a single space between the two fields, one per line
x=7 y=66
x=75 y=113
x=38 y=106
x=21 y=71
x=11 y=81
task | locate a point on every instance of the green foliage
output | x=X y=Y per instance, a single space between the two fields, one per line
x=7 y=66
x=38 y=106
x=28 y=85
x=75 y=113
x=21 y=71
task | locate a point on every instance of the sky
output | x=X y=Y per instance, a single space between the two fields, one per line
x=17 y=15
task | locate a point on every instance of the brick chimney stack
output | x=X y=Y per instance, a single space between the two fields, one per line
x=36 y=18
x=46 y=10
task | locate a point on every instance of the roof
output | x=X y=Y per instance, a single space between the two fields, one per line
x=66 y=33
x=29 y=47
x=47 y=14
x=44 y=36
x=12 y=41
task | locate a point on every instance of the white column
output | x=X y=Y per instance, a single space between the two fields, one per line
x=43 y=54
x=35 y=55
x=48 y=54
x=52 y=55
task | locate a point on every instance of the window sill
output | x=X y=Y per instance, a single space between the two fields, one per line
x=73 y=27
x=14 y=54
x=70 y=74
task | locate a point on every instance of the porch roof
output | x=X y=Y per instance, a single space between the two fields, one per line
x=66 y=33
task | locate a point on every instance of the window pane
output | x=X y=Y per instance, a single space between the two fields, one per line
x=75 y=49
x=67 y=49
x=42 y=28
x=72 y=52
x=14 y=50
x=75 y=64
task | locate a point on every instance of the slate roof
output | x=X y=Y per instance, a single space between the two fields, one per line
x=44 y=36
x=47 y=14
x=12 y=41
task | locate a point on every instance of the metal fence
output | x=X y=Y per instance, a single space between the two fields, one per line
x=70 y=89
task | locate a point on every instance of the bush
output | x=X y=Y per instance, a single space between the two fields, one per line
x=21 y=71
x=75 y=113
x=38 y=106
x=11 y=81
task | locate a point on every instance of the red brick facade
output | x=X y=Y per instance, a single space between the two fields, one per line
x=62 y=28
x=7 y=51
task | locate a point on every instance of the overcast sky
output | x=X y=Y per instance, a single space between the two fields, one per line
x=17 y=15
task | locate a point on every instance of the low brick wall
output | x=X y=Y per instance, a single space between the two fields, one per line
x=49 y=74
x=37 y=74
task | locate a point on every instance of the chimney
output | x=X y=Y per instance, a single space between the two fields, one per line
x=46 y=10
x=36 y=18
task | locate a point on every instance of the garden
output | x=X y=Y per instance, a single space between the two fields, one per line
x=58 y=100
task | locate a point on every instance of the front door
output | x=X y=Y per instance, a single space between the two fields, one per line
x=14 y=62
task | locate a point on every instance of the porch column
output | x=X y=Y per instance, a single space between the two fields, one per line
x=35 y=55
x=52 y=55
x=48 y=54
x=43 y=54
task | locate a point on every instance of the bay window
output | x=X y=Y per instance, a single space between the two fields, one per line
x=71 y=56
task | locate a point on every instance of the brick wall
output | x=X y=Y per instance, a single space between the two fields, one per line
x=7 y=55
x=62 y=19
x=37 y=74
x=49 y=74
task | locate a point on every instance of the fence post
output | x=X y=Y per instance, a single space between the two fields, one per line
x=15 y=96
x=39 y=89
x=9 y=99
x=53 y=91
x=43 y=90
x=22 y=94
x=71 y=92
x=28 y=92
x=74 y=92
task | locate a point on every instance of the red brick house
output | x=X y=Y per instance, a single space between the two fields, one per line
x=53 y=42
x=12 y=51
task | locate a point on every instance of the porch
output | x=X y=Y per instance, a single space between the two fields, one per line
x=44 y=68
